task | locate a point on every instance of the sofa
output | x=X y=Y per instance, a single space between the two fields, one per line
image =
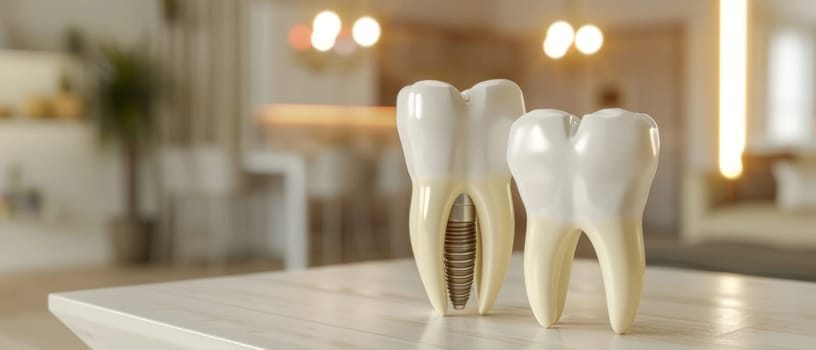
x=745 y=210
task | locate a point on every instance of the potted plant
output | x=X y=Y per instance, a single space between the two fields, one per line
x=126 y=92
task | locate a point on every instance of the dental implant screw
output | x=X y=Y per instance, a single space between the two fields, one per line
x=460 y=250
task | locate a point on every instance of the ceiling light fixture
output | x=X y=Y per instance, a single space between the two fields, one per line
x=366 y=31
x=560 y=37
x=588 y=39
x=327 y=23
x=327 y=33
x=558 y=40
x=322 y=43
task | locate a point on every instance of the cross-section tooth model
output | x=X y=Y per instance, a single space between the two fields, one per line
x=455 y=146
x=591 y=174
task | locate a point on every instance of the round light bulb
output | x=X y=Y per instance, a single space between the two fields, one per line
x=327 y=24
x=366 y=31
x=322 y=43
x=554 y=49
x=558 y=40
x=589 y=39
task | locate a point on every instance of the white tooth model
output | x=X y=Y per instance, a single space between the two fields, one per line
x=455 y=143
x=591 y=174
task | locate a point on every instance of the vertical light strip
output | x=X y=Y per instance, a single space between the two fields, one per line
x=733 y=57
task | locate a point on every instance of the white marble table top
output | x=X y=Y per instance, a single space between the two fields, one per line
x=382 y=305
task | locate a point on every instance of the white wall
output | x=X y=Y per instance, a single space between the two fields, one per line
x=62 y=159
x=79 y=180
x=25 y=73
x=41 y=24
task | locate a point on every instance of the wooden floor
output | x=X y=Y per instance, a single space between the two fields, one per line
x=25 y=322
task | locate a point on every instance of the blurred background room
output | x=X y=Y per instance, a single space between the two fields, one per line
x=153 y=140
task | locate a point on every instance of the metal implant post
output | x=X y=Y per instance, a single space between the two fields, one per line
x=460 y=250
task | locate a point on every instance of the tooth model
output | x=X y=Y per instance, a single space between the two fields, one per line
x=591 y=174
x=455 y=147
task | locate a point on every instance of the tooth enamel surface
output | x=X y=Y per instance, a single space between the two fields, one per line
x=456 y=143
x=591 y=174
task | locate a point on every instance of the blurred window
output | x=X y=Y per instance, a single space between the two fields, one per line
x=790 y=86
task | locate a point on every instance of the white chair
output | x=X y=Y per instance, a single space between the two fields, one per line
x=333 y=176
x=208 y=216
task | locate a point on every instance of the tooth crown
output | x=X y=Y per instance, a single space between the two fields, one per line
x=448 y=134
x=456 y=143
x=590 y=175
x=599 y=167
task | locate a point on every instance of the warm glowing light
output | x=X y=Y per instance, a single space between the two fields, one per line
x=299 y=37
x=330 y=117
x=730 y=286
x=558 y=40
x=588 y=39
x=562 y=32
x=366 y=31
x=327 y=24
x=553 y=50
x=322 y=43
x=733 y=52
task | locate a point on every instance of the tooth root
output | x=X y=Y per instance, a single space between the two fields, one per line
x=430 y=206
x=619 y=246
x=495 y=214
x=566 y=256
x=548 y=254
